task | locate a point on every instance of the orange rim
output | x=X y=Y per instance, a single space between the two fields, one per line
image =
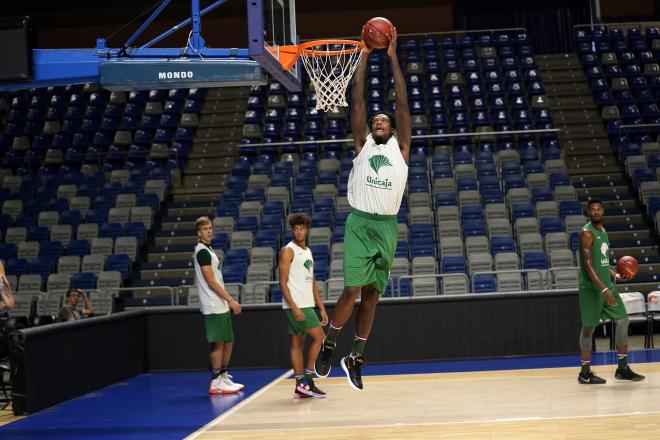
x=289 y=54
x=304 y=47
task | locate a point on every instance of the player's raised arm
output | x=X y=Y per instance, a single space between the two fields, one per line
x=358 y=106
x=401 y=112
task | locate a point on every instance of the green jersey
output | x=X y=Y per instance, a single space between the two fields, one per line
x=600 y=258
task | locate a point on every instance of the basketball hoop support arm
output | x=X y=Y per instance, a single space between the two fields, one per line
x=53 y=67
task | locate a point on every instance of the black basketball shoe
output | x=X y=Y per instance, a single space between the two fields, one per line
x=322 y=363
x=590 y=378
x=352 y=366
x=316 y=391
x=625 y=373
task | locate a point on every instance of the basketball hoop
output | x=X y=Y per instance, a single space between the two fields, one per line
x=330 y=65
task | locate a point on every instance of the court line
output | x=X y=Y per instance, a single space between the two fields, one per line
x=235 y=408
x=464 y=422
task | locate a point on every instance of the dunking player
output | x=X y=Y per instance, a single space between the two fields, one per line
x=299 y=295
x=599 y=298
x=375 y=188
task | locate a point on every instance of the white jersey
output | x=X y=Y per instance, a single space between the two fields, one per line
x=301 y=277
x=378 y=178
x=210 y=302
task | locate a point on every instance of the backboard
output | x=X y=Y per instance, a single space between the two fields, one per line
x=271 y=24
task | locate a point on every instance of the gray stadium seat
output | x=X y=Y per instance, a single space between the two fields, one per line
x=87 y=231
x=322 y=235
x=49 y=304
x=29 y=283
x=258 y=181
x=126 y=201
x=476 y=244
x=102 y=246
x=108 y=280
x=451 y=246
x=417 y=200
x=48 y=218
x=499 y=227
x=128 y=246
x=28 y=250
x=93 y=263
x=546 y=209
x=12 y=208
x=507 y=261
x=80 y=203
x=61 y=233
x=16 y=235
x=58 y=282
x=250 y=208
x=449 y=229
x=422 y=214
x=156 y=186
x=67 y=191
x=530 y=242
x=262 y=255
x=68 y=264
x=329 y=165
x=119 y=215
x=242 y=239
x=480 y=262
x=223 y=224
x=337 y=251
x=447 y=213
x=143 y=214
x=555 y=241
x=101 y=301
x=526 y=225
x=509 y=282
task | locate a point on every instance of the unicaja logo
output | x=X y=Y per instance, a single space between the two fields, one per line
x=176 y=75
x=378 y=161
x=308 y=265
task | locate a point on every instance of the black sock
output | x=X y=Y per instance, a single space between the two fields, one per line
x=586 y=366
x=623 y=360
x=300 y=379
x=215 y=373
x=309 y=376
x=333 y=332
x=358 y=346
x=224 y=370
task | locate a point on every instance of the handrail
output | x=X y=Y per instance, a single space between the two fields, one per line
x=605 y=25
x=435 y=275
x=429 y=34
x=518 y=271
x=633 y=126
x=419 y=136
x=552 y=270
x=179 y=290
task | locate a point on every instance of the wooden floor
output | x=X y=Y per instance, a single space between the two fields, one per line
x=520 y=404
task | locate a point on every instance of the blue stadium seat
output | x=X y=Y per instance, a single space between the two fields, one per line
x=535 y=260
x=550 y=224
x=83 y=280
x=120 y=263
x=134 y=229
x=484 y=283
x=79 y=248
x=110 y=230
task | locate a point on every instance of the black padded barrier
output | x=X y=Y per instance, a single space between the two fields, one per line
x=58 y=362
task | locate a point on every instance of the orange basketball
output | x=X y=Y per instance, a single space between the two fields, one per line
x=627 y=266
x=376 y=33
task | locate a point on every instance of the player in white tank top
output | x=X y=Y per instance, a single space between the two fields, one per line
x=216 y=307
x=299 y=295
x=376 y=185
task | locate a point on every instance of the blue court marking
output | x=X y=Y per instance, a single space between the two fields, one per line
x=174 y=405
x=149 y=406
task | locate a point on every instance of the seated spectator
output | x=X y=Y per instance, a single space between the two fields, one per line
x=69 y=312
x=6 y=294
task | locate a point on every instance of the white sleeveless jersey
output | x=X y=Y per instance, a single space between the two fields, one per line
x=210 y=302
x=301 y=277
x=378 y=178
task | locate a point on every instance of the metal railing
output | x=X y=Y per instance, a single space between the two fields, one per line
x=174 y=300
x=541 y=276
x=476 y=134
x=434 y=276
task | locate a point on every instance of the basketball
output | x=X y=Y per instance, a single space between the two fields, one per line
x=627 y=266
x=376 y=33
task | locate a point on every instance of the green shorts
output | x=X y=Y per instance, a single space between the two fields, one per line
x=300 y=327
x=218 y=328
x=593 y=308
x=369 y=246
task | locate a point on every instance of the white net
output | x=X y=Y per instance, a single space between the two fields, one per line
x=330 y=68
